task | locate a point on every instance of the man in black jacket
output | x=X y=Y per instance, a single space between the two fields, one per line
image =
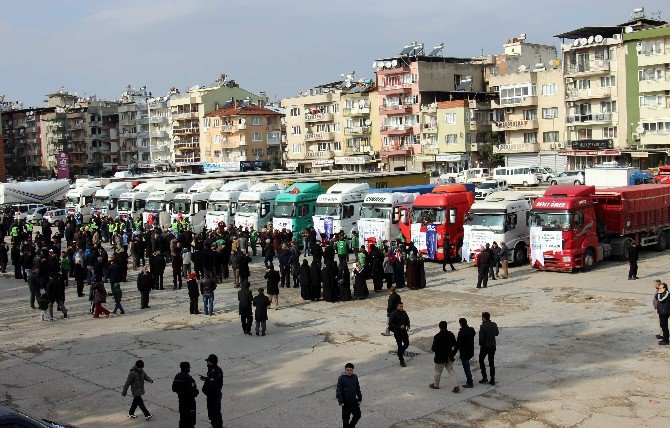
x=348 y=394
x=186 y=389
x=444 y=344
x=212 y=389
x=144 y=285
x=487 y=347
x=157 y=268
x=465 y=342
x=399 y=324
x=484 y=260
x=261 y=302
x=394 y=299
x=633 y=257
x=246 y=299
x=446 y=251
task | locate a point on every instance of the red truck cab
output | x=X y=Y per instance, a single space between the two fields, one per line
x=563 y=229
x=445 y=209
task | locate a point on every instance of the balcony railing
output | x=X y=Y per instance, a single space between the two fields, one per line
x=357 y=130
x=318 y=117
x=159 y=119
x=586 y=118
x=186 y=146
x=576 y=94
x=528 y=100
x=316 y=154
x=512 y=125
x=589 y=67
x=356 y=111
x=318 y=136
x=185 y=115
x=159 y=134
x=183 y=131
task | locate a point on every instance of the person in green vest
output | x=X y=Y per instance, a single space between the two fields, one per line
x=362 y=256
x=138 y=224
x=354 y=241
x=175 y=226
x=29 y=229
x=253 y=238
x=15 y=233
x=342 y=249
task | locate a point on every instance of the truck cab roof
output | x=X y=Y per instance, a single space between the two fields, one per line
x=390 y=198
x=349 y=188
x=299 y=192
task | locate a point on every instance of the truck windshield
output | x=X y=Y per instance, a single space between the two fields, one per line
x=154 y=206
x=487 y=186
x=495 y=221
x=181 y=207
x=247 y=207
x=125 y=204
x=551 y=220
x=73 y=200
x=218 y=207
x=283 y=209
x=329 y=210
x=375 y=212
x=428 y=215
x=99 y=202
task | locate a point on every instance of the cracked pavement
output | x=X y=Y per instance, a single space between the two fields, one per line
x=574 y=350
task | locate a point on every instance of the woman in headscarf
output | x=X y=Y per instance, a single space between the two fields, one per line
x=344 y=281
x=360 y=286
x=399 y=269
x=328 y=282
x=412 y=271
x=305 y=280
x=377 y=268
x=315 y=278
x=389 y=261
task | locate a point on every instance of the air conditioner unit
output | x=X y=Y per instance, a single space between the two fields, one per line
x=571 y=103
x=636 y=136
x=560 y=145
x=509 y=110
x=616 y=36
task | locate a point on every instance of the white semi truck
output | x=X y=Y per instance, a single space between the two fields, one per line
x=192 y=206
x=80 y=199
x=340 y=207
x=105 y=200
x=222 y=203
x=255 y=206
x=157 y=208
x=380 y=215
x=131 y=204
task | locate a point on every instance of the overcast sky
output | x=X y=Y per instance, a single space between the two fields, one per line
x=281 y=47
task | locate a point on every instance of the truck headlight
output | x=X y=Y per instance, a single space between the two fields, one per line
x=567 y=259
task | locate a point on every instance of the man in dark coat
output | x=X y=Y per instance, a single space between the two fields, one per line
x=157 y=268
x=344 y=282
x=444 y=347
x=633 y=257
x=284 y=258
x=186 y=389
x=446 y=251
x=245 y=299
x=177 y=263
x=212 y=389
x=193 y=294
x=261 y=302
x=394 y=300
x=465 y=342
x=144 y=286
x=487 y=347
x=315 y=281
x=349 y=397
x=484 y=260
x=377 y=269
x=305 y=280
x=243 y=267
x=399 y=325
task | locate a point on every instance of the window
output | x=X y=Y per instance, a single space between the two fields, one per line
x=550 y=113
x=652 y=47
x=549 y=89
x=297 y=148
x=256 y=120
x=295 y=111
x=657 y=126
x=582 y=84
x=649 y=74
x=217 y=139
x=550 y=137
x=257 y=153
x=323 y=147
x=206 y=122
x=337 y=146
x=653 y=101
x=295 y=130
x=607 y=81
x=609 y=132
x=468 y=138
x=584 y=134
x=450 y=118
x=217 y=123
x=335 y=108
x=451 y=138
x=530 y=114
x=530 y=137
x=608 y=106
x=337 y=127
x=303 y=210
x=274 y=135
x=515 y=94
x=256 y=136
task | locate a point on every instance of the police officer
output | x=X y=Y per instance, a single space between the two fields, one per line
x=186 y=389
x=212 y=389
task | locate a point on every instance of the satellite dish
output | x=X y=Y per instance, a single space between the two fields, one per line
x=348 y=84
x=374 y=64
x=598 y=39
x=639 y=129
x=361 y=104
x=388 y=64
x=368 y=122
x=575 y=42
x=591 y=38
x=522 y=68
x=556 y=62
x=628 y=29
x=394 y=63
x=583 y=41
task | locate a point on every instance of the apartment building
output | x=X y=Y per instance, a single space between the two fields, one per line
x=408 y=81
x=133 y=113
x=356 y=105
x=160 y=131
x=531 y=114
x=3 y=170
x=242 y=133
x=22 y=137
x=188 y=112
x=103 y=136
x=648 y=95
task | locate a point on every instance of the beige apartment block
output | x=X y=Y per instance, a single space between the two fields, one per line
x=160 y=131
x=188 y=112
x=357 y=151
x=244 y=133
x=530 y=112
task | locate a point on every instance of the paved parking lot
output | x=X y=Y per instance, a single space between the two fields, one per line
x=574 y=349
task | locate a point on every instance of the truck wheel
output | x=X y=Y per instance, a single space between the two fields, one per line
x=589 y=260
x=661 y=241
x=554 y=182
x=520 y=255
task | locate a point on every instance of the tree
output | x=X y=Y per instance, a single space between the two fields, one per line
x=491 y=139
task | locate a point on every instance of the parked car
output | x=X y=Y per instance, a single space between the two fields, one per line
x=55 y=214
x=14 y=419
x=487 y=187
x=543 y=173
x=35 y=214
x=569 y=177
x=21 y=210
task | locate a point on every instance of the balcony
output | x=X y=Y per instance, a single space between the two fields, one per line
x=530 y=100
x=589 y=119
x=397 y=130
x=480 y=126
x=356 y=111
x=228 y=128
x=653 y=59
x=159 y=119
x=357 y=130
x=131 y=134
x=186 y=146
x=429 y=129
x=185 y=131
x=159 y=134
x=517 y=148
x=588 y=68
x=319 y=117
x=396 y=89
x=658 y=85
x=592 y=93
x=325 y=154
x=513 y=125
x=318 y=136
x=78 y=126
x=274 y=141
x=396 y=109
x=185 y=115
x=233 y=143
x=655 y=137
x=394 y=71
x=143 y=120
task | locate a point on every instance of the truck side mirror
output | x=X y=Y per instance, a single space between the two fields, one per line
x=233 y=208
x=452 y=215
x=396 y=214
x=264 y=209
x=527 y=218
x=403 y=217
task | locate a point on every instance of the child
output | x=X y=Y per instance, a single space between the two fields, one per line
x=43 y=304
x=118 y=294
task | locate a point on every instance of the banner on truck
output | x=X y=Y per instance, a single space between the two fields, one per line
x=369 y=230
x=431 y=240
x=542 y=241
x=282 y=223
x=328 y=227
x=474 y=240
x=418 y=237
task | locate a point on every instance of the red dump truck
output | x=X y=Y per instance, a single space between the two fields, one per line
x=575 y=227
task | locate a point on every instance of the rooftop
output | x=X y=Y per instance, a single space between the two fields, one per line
x=249 y=110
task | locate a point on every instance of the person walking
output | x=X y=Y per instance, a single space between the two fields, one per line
x=349 y=396
x=99 y=297
x=186 y=389
x=261 y=303
x=465 y=342
x=193 y=294
x=394 y=300
x=245 y=299
x=144 y=286
x=633 y=257
x=495 y=259
x=444 y=344
x=504 y=259
x=177 y=265
x=663 y=310
x=487 y=347
x=446 y=252
x=212 y=390
x=118 y=295
x=272 y=277
x=483 y=263
x=399 y=325
x=207 y=287
x=157 y=268
x=135 y=381
x=53 y=289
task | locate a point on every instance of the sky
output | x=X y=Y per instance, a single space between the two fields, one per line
x=280 y=47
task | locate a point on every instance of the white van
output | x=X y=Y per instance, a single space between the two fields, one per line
x=516 y=176
x=473 y=173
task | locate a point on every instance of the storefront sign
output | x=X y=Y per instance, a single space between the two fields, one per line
x=221 y=166
x=451 y=158
x=317 y=154
x=591 y=153
x=515 y=148
x=292 y=165
x=592 y=144
x=322 y=162
x=351 y=160
x=424 y=158
x=639 y=154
